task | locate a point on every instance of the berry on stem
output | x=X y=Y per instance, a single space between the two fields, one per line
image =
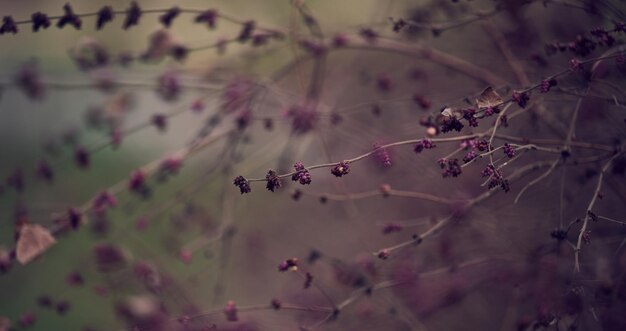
x=105 y=15
x=133 y=14
x=69 y=18
x=273 y=181
x=341 y=169
x=243 y=184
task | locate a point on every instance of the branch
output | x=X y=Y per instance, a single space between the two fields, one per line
x=588 y=211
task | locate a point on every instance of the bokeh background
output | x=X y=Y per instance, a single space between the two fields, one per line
x=495 y=268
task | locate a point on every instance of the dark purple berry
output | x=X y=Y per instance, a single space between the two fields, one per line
x=341 y=169
x=243 y=184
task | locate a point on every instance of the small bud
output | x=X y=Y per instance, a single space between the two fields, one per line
x=451 y=168
x=289 y=264
x=302 y=174
x=398 y=25
x=422 y=101
x=209 y=17
x=168 y=17
x=231 y=311
x=28 y=79
x=246 y=31
x=81 y=157
x=40 y=21
x=592 y=216
x=508 y=150
x=185 y=255
x=383 y=254
x=471 y=155
x=44 y=171
x=116 y=136
x=137 y=182
x=69 y=18
x=198 y=106
x=62 y=307
x=105 y=15
x=75 y=217
x=368 y=35
x=184 y=319
x=575 y=65
x=168 y=85
x=341 y=169
x=243 y=184
x=273 y=181
x=385 y=84
x=296 y=194
x=170 y=165
x=422 y=145
x=179 y=52
x=8 y=25
x=520 y=98
x=159 y=121
x=545 y=85
x=340 y=40
x=276 y=304
x=383 y=155
x=587 y=237
x=27 y=319
x=133 y=14
x=385 y=189
x=308 y=280
x=268 y=124
x=392 y=227
x=104 y=200
x=44 y=301
x=559 y=234
x=109 y=257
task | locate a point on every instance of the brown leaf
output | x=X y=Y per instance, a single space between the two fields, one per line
x=488 y=98
x=447 y=113
x=34 y=240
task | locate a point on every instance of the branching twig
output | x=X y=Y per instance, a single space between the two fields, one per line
x=588 y=212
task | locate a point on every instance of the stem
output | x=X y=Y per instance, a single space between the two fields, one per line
x=226 y=17
x=589 y=208
x=434 y=55
x=391 y=192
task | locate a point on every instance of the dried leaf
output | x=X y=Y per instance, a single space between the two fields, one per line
x=489 y=98
x=447 y=113
x=34 y=240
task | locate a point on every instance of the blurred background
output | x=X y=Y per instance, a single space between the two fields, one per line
x=193 y=243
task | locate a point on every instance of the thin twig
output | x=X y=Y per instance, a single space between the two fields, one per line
x=596 y=193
